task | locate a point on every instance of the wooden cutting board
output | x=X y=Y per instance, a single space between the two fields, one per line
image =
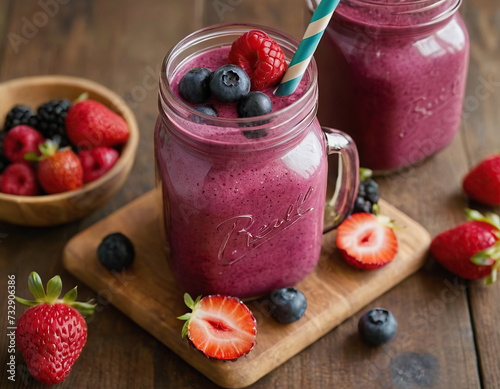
x=147 y=293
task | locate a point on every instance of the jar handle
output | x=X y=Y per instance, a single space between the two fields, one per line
x=346 y=188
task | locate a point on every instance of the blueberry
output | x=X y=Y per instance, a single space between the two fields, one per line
x=194 y=86
x=230 y=83
x=116 y=252
x=377 y=326
x=207 y=110
x=254 y=104
x=287 y=304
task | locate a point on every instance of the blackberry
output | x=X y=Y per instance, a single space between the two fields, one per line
x=20 y=114
x=52 y=120
x=368 y=195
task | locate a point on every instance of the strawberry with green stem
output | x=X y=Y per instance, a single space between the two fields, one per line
x=472 y=249
x=59 y=170
x=52 y=332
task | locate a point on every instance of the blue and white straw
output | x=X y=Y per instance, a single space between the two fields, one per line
x=306 y=48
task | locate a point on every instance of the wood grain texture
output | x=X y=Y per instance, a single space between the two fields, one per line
x=147 y=293
x=447 y=335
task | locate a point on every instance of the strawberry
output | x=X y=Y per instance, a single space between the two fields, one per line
x=52 y=332
x=260 y=57
x=90 y=124
x=97 y=162
x=20 y=140
x=19 y=178
x=470 y=250
x=483 y=182
x=221 y=327
x=367 y=241
x=59 y=170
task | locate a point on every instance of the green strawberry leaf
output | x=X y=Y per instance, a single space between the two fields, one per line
x=184 y=332
x=29 y=303
x=186 y=316
x=32 y=157
x=71 y=295
x=54 y=287
x=36 y=287
x=188 y=300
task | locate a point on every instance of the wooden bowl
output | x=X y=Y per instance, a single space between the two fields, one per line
x=50 y=210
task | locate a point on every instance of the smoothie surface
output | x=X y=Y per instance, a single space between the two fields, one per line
x=214 y=59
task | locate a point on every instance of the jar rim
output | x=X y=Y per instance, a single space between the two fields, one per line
x=179 y=108
x=401 y=8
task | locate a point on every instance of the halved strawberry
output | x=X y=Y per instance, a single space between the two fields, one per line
x=221 y=327
x=367 y=241
x=260 y=57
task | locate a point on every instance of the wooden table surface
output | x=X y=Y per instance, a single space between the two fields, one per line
x=449 y=332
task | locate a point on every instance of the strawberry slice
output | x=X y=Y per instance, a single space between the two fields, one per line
x=221 y=327
x=260 y=57
x=367 y=241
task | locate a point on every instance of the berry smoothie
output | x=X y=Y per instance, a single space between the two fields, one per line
x=392 y=75
x=243 y=214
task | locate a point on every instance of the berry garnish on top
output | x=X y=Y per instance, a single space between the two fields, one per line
x=254 y=104
x=221 y=327
x=367 y=241
x=260 y=57
x=230 y=83
x=194 y=86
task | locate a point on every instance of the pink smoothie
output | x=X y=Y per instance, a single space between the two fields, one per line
x=243 y=216
x=394 y=85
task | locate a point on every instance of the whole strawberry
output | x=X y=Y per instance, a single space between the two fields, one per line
x=52 y=332
x=483 y=182
x=59 y=170
x=472 y=249
x=91 y=124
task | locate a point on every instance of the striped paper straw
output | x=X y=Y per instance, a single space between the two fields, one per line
x=306 y=48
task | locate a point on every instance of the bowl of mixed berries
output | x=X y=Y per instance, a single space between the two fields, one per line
x=67 y=145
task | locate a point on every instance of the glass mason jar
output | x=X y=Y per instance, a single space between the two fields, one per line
x=392 y=74
x=243 y=215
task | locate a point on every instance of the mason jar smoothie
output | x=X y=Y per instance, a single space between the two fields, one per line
x=392 y=75
x=243 y=198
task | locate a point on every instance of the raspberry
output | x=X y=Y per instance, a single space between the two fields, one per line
x=260 y=57
x=19 y=179
x=21 y=140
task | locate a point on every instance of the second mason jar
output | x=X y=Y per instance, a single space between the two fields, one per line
x=392 y=75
